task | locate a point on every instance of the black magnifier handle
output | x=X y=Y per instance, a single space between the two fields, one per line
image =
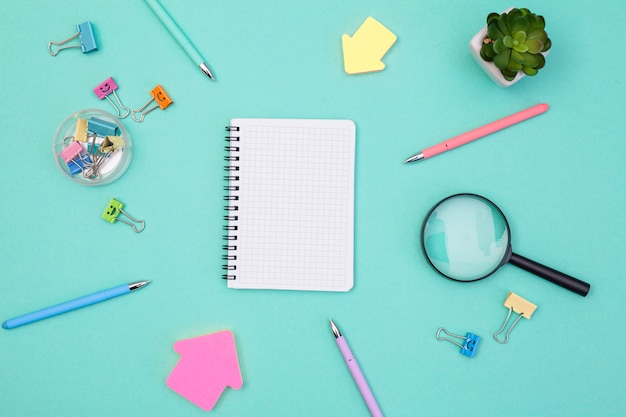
x=554 y=276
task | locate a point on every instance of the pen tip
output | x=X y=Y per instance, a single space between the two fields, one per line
x=414 y=158
x=334 y=329
x=205 y=68
x=138 y=284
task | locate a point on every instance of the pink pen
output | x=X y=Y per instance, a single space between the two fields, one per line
x=353 y=366
x=479 y=132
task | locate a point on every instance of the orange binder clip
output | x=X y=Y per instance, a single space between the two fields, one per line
x=159 y=96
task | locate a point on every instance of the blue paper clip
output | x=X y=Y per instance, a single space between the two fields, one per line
x=85 y=37
x=470 y=342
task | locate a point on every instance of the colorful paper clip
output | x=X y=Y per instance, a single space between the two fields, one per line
x=470 y=342
x=104 y=90
x=114 y=209
x=85 y=37
x=159 y=96
x=519 y=305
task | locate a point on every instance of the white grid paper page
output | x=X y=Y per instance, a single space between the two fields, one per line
x=296 y=205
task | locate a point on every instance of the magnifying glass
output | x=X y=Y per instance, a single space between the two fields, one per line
x=467 y=238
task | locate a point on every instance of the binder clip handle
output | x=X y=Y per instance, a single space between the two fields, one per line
x=63 y=42
x=506 y=336
x=470 y=341
x=84 y=33
x=519 y=305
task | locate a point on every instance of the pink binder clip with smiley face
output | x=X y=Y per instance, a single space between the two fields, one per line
x=107 y=88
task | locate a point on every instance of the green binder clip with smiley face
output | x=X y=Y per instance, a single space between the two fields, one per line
x=114 y=210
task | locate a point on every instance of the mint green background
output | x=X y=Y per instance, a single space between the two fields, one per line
x=558 y=177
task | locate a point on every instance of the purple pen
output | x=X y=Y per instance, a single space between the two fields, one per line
x=355 y=370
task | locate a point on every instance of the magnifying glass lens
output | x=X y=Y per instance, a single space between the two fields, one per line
x=465 y=237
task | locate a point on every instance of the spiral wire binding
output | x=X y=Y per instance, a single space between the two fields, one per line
x=231 y=208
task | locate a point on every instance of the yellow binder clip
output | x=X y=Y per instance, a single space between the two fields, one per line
x=80 y=133
x=519 y=305
x=159 y=96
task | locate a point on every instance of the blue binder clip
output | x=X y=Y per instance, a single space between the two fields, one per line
x=85 y=37
x=470 y=342
x=79 y=164
x=101 y=127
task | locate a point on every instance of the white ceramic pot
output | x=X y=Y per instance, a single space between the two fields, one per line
x=489 y=67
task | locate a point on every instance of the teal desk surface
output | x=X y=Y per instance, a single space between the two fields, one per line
x=559 y=177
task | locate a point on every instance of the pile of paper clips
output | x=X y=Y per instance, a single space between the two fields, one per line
x=94 y=148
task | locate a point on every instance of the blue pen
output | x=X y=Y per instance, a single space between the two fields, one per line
x=85 y=301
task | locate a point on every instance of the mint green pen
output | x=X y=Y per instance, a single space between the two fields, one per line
x=179 y=36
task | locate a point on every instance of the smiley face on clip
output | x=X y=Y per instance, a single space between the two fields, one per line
x=161 y=97
x=105 y=88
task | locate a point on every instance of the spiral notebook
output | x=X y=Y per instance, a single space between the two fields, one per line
x=290 y=204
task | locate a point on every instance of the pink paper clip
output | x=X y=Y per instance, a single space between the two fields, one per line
x=71 y=152
x=106 y=88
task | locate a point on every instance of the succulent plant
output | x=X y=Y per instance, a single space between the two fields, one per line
x=515 y=42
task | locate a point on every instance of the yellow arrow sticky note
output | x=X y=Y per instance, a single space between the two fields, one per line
x=363 y=52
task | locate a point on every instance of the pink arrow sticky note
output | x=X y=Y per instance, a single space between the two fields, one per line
x=208 y=364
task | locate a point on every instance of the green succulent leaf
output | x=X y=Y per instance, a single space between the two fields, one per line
x=493 y=31
x=531 y=60
x=492 y=17
x=541 y=22
x=542 y=61
x=503 y=26
x=530 y=71
x=546 y=45
x=487 y=53
x=519 y=24
x=533 y=23
x=508 y=41
x=519 y=42
x=499 y=46
x=533 y=46
x=537 y=34
x=513 y=65
x=508 y=75
x=518 y=56
x=502 y=59
x=508 y=20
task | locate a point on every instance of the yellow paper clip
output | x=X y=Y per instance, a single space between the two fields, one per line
x=519 y=305
x=159 y=96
